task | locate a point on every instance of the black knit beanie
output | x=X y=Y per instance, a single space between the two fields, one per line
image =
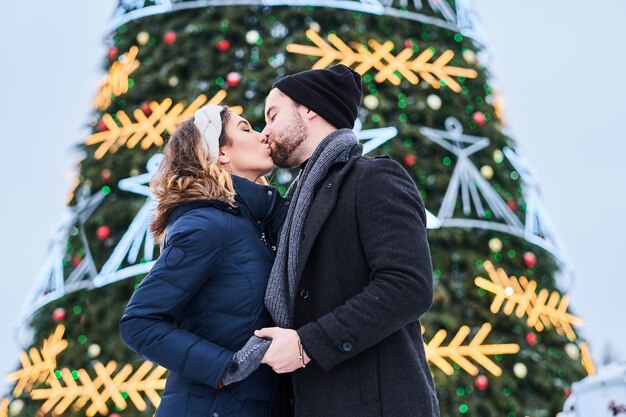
x=333 y=93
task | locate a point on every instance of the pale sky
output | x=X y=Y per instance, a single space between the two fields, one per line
x=558 y=65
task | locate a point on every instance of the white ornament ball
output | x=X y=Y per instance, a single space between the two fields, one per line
x=143 y=38
x=520 y=370
x=486 y=171
x=94 y=350
x=495 y=244
x=370 y=101
x=16 y=407
x=284 y=176
x=469 y=56
x=433 y=101
x=572 y=351
x=173 y=81
x=252 y=37
x=315 y=26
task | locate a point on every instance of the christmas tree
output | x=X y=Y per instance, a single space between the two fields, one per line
x=500 y=338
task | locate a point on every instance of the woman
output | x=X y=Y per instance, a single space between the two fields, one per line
x=203 y=298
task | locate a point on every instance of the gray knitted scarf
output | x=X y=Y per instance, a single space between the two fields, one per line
x=282 y=285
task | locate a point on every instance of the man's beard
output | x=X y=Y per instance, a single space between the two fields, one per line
x=288 y=141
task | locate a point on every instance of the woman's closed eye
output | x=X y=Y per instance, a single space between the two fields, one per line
x=244 y=125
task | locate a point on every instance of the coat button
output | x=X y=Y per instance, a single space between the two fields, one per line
x=269 y=192
x=347 y=346
x=330 y=184
x=216 y=415
x=287 y=202
x=274 y=248
x=304 y=294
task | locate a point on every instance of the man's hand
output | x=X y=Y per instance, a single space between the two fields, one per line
x=284 y=352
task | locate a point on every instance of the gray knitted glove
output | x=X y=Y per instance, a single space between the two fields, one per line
x=246 y=360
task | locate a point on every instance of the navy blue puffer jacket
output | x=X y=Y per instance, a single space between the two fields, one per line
x=202 y=301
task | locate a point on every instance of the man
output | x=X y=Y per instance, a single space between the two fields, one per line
x=353 y=272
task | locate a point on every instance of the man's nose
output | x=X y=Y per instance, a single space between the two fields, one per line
x=262 y=138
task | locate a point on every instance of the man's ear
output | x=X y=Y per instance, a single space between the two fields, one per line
x=310 y=114
x=223 y=157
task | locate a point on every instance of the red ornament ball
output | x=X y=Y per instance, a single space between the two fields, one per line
x=146 y=109
x=105 y=175
x=223 y=45
x=481 y=382
x=529 y=259
x=169 y=37
x=76 y=261
x=512 y=204
x=567 y=392
x=531 y=338
x=59 y=314
x=233 y=79
x=103 y=232
x=112 y=53
x=102 y=126
x=410 y=160
x=408 y=43
x=479 y=118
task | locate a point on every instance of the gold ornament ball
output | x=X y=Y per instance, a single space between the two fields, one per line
x=520 y=370
x=143 y=38
x=370 y=101
x=173 y=81
x=94 y=350
x=433 y=101
x=486 y=171
x=495 y=244
x=16 y=407
x=572 y=351
x=469 y=56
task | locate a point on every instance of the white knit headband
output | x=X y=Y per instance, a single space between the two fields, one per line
x=209 y=122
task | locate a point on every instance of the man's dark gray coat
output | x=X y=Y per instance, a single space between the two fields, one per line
x=365 y=279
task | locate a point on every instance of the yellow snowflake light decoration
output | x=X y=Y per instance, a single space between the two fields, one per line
x=498 y=105
x=379 y=57
x=38 y=365
x=457 y=352
x=586 y=359
x=544 y=309
x=115 y=83
x=147 y=130
x=4 y=407
x=75 y=183
x=80 y=389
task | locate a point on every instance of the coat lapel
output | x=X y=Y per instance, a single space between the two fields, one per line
x=323 y=204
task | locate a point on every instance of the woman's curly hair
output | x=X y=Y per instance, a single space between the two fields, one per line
x=186 y=174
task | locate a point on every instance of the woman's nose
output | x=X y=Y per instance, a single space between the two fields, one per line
x=261 y=137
